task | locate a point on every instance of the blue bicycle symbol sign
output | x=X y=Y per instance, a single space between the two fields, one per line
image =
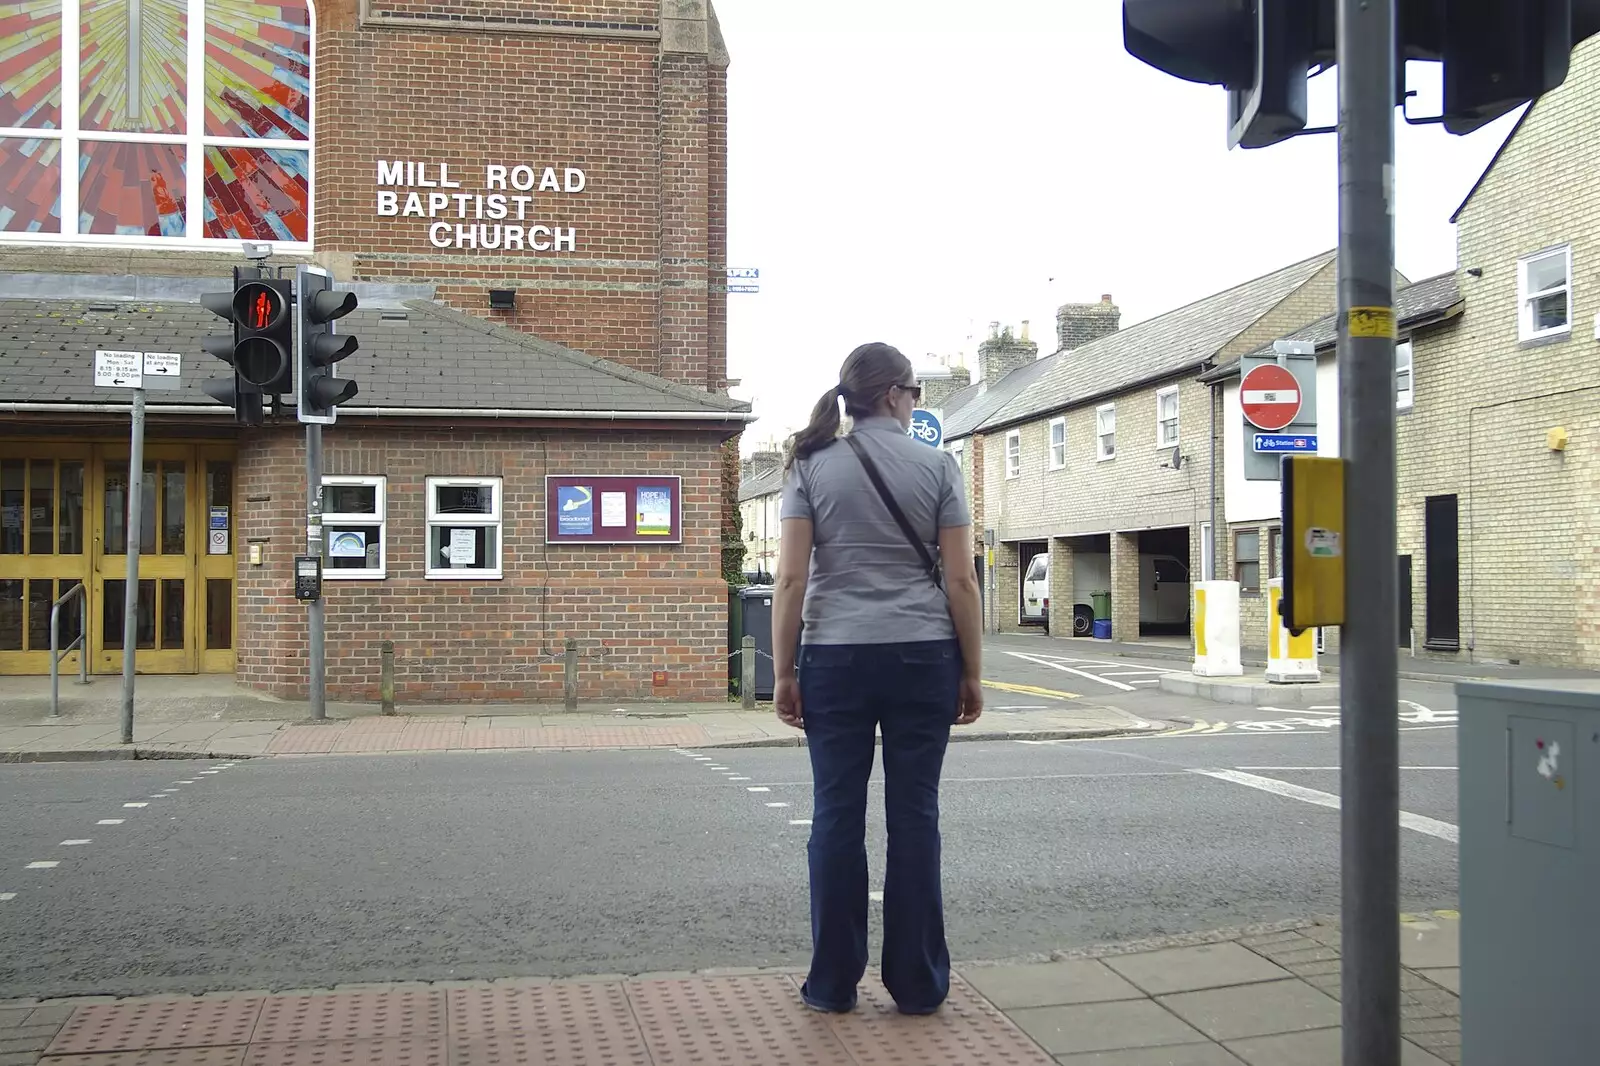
x=926 y=428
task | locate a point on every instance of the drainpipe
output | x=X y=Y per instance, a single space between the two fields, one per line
x=1211 y=567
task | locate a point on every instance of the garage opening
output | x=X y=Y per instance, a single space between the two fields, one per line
x=1034 y=588
x=1164 y=582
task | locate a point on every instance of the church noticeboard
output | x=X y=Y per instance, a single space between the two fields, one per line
x=613 y=510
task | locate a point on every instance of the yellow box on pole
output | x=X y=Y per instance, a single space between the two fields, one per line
x=1313 y=542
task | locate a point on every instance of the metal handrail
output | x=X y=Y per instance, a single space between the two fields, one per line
x=57 y=653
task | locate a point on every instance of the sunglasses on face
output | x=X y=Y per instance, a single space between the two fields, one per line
x=914 y=390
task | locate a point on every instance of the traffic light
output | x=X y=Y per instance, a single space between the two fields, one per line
x=246 y=399
x=320 y=390
x=1497 y=55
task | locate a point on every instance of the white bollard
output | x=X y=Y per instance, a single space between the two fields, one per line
x=1290 y=659
x=1216 y=629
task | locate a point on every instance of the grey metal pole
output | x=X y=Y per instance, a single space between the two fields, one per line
x=317 y=649
x=386 y=677
x=1369 y=687
x=130 y=588
x=747 y=673
x=570 y=687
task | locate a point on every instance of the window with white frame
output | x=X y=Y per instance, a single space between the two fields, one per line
x=355 y=524
x=1402 y=376
x=1105 y=430
x=1058 y=443
x=959 y=450
x=1544 y=294
x=183 y=121
x=1167 y=417
x=464 y=520
x=1014 y=454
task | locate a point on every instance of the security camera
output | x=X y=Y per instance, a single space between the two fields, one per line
x=257 y=250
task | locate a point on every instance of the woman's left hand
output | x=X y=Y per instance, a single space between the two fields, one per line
x=786 y=698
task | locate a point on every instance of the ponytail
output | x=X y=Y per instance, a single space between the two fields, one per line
x=822 y=430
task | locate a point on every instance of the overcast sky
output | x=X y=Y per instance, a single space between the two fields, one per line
x=911 y=170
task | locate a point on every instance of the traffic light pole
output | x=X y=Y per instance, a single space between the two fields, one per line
x=314 y=541
x=1369 y=690
x=130 y=587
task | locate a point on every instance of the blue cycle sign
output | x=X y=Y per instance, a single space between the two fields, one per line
x=926 y=428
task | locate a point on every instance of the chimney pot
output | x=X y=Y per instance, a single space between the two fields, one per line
x=1105 y=298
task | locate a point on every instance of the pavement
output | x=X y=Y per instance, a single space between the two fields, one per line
x=212 y=717
x=1231 y=998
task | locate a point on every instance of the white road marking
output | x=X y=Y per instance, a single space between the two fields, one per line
x=5 y=896
x=758 y=788
x=44 y=865
x=876 y=897
x=210 y=771
x=800 y=821
x=1419 y=823
x=1155 y=681
x=1130 y=673
x=71 y=843
x=140 y=804
x=169 y=790
x=736 y=777
x=723 y=768
x=1069 y=670
x=777 y=805
x=185 y=782
x=109 y=821
x=1452 y=769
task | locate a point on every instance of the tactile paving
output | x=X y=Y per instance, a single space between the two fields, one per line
x=577 y=1024
x=754 y=1019
x=194 y=1056
x=399 y=1051
x=966 y=1029
x=351 y=1016
x=137 y=1025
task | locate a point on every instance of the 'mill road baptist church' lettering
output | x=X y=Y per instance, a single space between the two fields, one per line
x=499 y=213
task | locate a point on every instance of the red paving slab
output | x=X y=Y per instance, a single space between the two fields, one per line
x=749 y=1020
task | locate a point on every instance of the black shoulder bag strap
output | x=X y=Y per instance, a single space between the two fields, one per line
x=894 y=509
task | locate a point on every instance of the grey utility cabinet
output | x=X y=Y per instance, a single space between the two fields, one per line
x=1530 y=873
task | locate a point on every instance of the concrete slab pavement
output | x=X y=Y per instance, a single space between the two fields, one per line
x=1231 y=998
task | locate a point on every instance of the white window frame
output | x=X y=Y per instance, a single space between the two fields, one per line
x=70 y=135
x=1161 y=438
x=1525 y=299
x=1013 y=455
x=1208 y=551
x=1101 y=433
x=1405 y=376
x=959 y=450
x=431 y=569
x=333 y=521
x=1058 y=448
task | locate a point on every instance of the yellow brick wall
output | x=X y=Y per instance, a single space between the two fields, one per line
x=1530 y=557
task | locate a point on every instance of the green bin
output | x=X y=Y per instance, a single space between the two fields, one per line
x=1102 y=604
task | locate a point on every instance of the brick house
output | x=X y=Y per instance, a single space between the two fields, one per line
x=1102 y=454
x=1251 y=552
x=761 y=508
x=569 y=157
x=1499 y=468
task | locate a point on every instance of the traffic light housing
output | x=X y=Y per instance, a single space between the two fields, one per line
x=246 y=397
x=319 y=389
x=1497 y=54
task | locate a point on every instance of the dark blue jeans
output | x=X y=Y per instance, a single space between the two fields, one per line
x=847 y=692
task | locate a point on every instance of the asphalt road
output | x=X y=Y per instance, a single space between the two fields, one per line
x=282 y=873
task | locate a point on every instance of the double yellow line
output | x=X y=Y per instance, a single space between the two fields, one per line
x=1031 y=690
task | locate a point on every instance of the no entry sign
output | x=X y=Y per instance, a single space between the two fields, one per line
x=1270 y=397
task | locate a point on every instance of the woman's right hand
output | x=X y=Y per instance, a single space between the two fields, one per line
x=969 y=703
x=786 y=701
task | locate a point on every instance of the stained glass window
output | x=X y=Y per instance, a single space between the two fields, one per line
x=191 y=120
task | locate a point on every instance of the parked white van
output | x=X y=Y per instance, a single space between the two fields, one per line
x=1163 y=589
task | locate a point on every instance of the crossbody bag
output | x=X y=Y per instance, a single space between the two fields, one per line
x=935 y=572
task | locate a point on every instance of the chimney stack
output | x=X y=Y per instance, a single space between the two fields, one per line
x=1080 y=324
x=1003 y=353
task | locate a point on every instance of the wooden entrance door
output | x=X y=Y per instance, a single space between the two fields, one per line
x=44 y=550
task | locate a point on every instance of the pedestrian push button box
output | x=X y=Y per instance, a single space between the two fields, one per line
x=307 y=577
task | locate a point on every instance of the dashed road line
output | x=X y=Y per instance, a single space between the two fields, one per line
x=777 y=805
x=6 y=897
x=876 y=897
x=800 y=821
x=141 y=803
x=44 y=864
x=73 y=843
x=111 y=821
x=758 y=788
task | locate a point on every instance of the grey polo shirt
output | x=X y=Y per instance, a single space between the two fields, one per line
x=867 y=583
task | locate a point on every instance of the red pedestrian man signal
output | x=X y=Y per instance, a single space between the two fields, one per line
x=1270 y=396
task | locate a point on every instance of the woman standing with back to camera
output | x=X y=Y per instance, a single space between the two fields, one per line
x=888 y=641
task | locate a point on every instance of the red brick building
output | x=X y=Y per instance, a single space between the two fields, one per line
x=568 y=156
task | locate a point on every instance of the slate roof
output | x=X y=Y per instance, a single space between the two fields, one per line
x=763 y=484
x=435 y=358
x=1419 y=304
x=1150 y=350
x=976 y=409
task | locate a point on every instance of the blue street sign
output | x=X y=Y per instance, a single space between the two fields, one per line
x=1286 y=442
x=744 y=272
x=744 y=288
x=926 y=428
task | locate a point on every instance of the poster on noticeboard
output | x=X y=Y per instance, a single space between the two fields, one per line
x=631 y=509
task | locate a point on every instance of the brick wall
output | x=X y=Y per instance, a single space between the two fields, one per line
x=634 y=610
x=1485 y=401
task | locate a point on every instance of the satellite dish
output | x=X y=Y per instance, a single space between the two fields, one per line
x=1177 y=458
